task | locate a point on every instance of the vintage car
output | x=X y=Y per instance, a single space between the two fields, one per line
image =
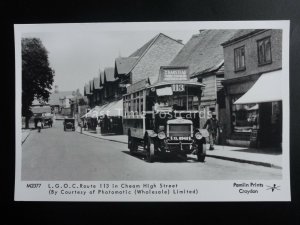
x=69 y=124
x=48 y=122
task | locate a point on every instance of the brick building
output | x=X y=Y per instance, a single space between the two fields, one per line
x=252 y=67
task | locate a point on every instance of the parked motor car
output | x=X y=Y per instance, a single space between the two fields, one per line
x=69 y=124
x=48 y=122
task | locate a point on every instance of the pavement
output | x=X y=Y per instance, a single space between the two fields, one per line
x=262 y=157
x=25 y=134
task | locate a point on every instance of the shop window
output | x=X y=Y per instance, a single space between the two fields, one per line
x=239 y=59
x=244 y=117
x=264 y=51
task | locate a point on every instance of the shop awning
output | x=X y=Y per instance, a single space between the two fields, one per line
x=96 y=111
x=164 y=91
x=266 y=89
x=114 y=109
x=92 y=113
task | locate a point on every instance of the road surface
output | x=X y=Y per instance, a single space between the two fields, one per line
x=57 y=155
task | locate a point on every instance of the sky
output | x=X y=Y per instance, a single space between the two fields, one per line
x=80 y=51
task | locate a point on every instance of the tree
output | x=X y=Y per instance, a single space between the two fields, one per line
x=37 y=75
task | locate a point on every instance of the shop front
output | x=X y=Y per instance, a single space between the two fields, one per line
x=108 y=117
x=254 y=112
x=111 y=118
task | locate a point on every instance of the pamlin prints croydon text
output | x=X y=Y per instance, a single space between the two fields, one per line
x=246 y=188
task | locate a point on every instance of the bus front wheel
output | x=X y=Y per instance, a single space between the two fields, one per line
x=131 y=144
x=150 y=150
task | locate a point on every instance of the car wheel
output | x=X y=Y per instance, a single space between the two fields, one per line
x=150 y=150
x=200 y=157
x=201 y=154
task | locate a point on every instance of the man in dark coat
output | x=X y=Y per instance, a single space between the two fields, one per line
x=212 y=125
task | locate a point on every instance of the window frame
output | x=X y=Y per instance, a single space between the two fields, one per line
x=258 y=58
x=235 y=57
x=233 y=126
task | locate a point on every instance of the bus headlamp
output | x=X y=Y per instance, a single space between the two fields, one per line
x=161 y=135
x=198 y=136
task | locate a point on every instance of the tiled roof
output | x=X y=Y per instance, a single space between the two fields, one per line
x=142 y=49
x=41 y=109
x=166 y=48
x=54 y=98
x=240 y=34
x=109 y=74
x=123 y=65
x=203 y=53
x=96 y=83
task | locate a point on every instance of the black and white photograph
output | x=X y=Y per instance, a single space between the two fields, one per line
x=160 y=111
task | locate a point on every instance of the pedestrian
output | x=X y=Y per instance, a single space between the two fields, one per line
x=212 y=126
x=106 y=124
x=39 y=125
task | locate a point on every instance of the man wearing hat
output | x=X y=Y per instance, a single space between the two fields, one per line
x=212 y=125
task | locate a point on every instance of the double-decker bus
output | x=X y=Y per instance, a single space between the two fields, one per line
x=163 y=117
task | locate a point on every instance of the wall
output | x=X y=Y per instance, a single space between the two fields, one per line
x=210 y=90
x=161 y=53
x=251 y=55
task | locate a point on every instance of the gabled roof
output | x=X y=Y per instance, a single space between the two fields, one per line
x=96 y=83
x=203 y=53
x=123 y=65
x=109 y=74
x=91 y=86
x=54 y=98
x=144 y=49
x=101 y=78
x=87 y=90
x=36 y=102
